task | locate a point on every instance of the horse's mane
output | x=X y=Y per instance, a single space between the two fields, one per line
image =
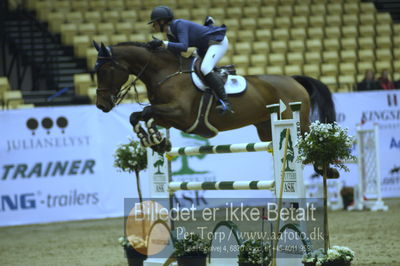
x=139 y=44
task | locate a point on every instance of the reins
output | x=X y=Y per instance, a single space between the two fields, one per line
x=176 y=73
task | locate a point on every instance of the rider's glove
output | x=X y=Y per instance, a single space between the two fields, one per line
x=155 y=43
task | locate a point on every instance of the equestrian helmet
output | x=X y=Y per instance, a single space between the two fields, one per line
x=161 y=12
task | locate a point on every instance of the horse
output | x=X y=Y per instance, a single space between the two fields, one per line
x=175 y=101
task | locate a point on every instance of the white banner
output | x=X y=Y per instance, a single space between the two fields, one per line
x=56 y=164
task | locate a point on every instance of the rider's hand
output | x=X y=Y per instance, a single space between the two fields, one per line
x=155 y=43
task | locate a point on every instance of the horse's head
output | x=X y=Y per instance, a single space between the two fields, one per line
x=111 y=75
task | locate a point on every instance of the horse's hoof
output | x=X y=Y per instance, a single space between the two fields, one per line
x=162 y=147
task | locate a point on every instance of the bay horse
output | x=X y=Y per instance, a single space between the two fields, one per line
x=174 y=100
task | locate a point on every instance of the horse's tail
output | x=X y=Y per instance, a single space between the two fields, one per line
x=321 y=98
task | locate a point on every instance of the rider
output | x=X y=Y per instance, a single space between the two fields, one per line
x=211 y=43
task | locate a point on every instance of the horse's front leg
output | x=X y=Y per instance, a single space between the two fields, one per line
x=134 y=119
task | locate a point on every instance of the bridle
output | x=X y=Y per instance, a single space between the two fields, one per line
x=117 y=99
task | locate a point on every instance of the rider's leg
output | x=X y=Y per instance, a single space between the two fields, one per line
x=214 y=53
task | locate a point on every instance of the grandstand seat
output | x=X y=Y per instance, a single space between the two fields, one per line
x=291 y=70
x=348 y=68
x=182 y=13
x=285 y=10
x=129 y=15
x=265 y=23
x=331 y=44
x=396 y=29
x=225 y=60
x=118 y=38
x=348 y=55
x=258 y=70
x=111 y=16
x=101 y=38
x=300 y=21
x=245 y=36
x=333 y=20
x=383 y=65
x=362 y=67
x=295 y=58
x=74 y=17
x=351 y=8
x=367 y=19
x=241 y=60
x=384 y=18
x=234 y=12
x=333 y=32
x=367 y=30
x=81 y=6
x=318 y=9
x=366 y=55
x=330 y=81
x=4 y=84
x=396 y=67
x=384 y=54
x=63 y=6
x=330 y=56
x=81 y=42
x=12 y=98
x=274 y=70
x=315 y=33
x=124 y=27
x=241 y=70
x=88 y=29
x=92 y=17
x=301 y=10
x=82 y=82
x=317 y=21
x=279 y=46
x=91 y=57
x=350 y=19
x=396 y=52
x=248 y=23
x=349 y=31
x=334 y=9
x=349 y=43
x=267 y=11
x=55 y=20
x=296 y=45
x=277 y=59
x=314 y=45
x=366 y=42
x=138 y=37
x=263 y=35
x=367 y=8
x=346 y=83
x=136 y=5
x=98 y=5
x=312 y=70
x=115 y=5
x=260 y=47
x=68 y=31
x=106 y=28
x=384 y=41
x=233 y=24
x=298 y=33
x=313 y=57
x=251 y=11
x=283 y=22
x=280 y=34
x=232 y=36
x=219 y=3
x=217 y=12
x=329 y=69
x=243 y=48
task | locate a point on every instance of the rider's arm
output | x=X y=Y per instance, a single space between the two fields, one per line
x=183 y=38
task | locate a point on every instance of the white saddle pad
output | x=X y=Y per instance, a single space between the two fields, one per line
x=235 y=84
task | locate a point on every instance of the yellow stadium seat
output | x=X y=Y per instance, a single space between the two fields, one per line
x=348 y=68
x=138 y=37
x=300 y=21
x=219 y=3
x=330 y=56
x=351 y=8
x=315 y=32
x=349 y=31
x=367 y=30
x=295 y=58
x=384 y=18
x=317 y=21
x=396 y=29
x=68 y=31
x=185 y=4
x=298 y=33
x=129 y=15
x=101 y=38
x=384 y=54
x=241 y=70
x=258 y=70
x=287 y=2
x=111 y=16
x=313 y=57
x=182 y=13
x=290 y=70
x=312 y=70
x=335 y=9
x=314 y=45
x=330 y=81
x=248 y=23
x=245 y=35
x=233 y=24
x=251 y=11
x=106 y=28
x=63 y=6
x=318 y=9
x=234 y=12
x=124 y=27
x=116 y=5
x=364 y=66
x=226 y=60
x=232 y=36
x=91 y=57
x=300 y=10
x=331 y=44
x=329 y=69
x=92 y=16
x=265 y=22
x=366 y=42
x=74 y=17
x=92 y=94
x=136 y=5
x=384 y=41
x=383 y=65
x=285 y=10
x=259 y=59
x=366 y=55
x=396 y=52
x=241 y=60
x=349 y=43
x=98 y=5
x=279 y=46
x=350 y=19
x=396 y=67
x=333 y=20
x=283 y=22
x=384 y=29
x=348 y=55
x=144 y=14
x=274 y=70
x=82 y=82
x=267 y=11
x=260 y=47
x=88 y=29
x=333 y=32
x=81 y=6
x=280 y=34
x=81 y=42
x=367 y=19
x=238 y=3
x=263 y=35
x=118 y=38
x=243 y=48
x=277 y=59
x=56 y=19
x=217 y=12
x=296 y=45
x=12 y=99
x=346 y=83
x=367 y=8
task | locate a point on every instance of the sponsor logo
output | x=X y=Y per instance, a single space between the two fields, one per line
x=31 y=200
x=391 y=181
x=391 y=100
x=394 y=144
x=47 y=123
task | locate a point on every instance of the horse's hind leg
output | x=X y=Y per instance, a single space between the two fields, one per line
x=264 y=130
x=134 y=119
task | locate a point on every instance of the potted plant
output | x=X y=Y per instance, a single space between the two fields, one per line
x=254 y=253
x=132 y=157
x=131 y=247
x=336 y=256
x=323 y=145
x=192 y=250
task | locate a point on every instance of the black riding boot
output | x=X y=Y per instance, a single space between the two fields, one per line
x=217 y=85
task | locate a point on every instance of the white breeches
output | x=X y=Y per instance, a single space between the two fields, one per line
x=214 y=53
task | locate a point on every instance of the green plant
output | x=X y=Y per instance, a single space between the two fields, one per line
x=255 y=251
x=334 y=254
x=325 y=143
x=191 y=245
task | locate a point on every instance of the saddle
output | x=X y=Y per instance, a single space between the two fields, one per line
x=222 y=71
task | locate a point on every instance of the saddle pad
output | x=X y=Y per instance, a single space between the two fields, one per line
x=235 y=84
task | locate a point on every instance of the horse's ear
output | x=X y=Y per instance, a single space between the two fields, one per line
x=96 y=45
x=104 y=51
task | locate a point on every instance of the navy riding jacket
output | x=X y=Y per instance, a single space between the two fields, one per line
x=184 y=34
